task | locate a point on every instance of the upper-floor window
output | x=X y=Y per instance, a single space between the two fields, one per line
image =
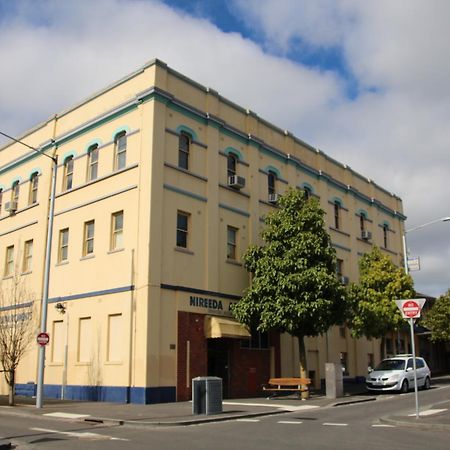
x=184 y=143
x=120 y=151
x=231 y=242
x=271 y=178
x=27 y=256
x=92 y=162
x=88 y=242
x=385 y=235
x=362 y=222
x=337 y=214
x=34 y=181
x=231 y=164
x=63 y=247
x=339 y=267
x=182 y=229
x=307 y=192
x=68 y=173
x=1 y=199
x=117 y=230
x=15 y=191
x=9 y=261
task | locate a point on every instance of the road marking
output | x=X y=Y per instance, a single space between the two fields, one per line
x=290 y=422
x=429 y=412
x=248 y=420
x=382 y=425
x=275 y=405
x=64 y=415
x=331 y=424
x=80 y=435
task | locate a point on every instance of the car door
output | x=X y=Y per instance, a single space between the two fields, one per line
x=420 y=367
x=410 y=372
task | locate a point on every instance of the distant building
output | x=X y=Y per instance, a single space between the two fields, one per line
x=162 y=184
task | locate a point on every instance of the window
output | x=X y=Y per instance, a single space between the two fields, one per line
x=182 y=229
x=258 y=340
x=57 y=342
x=307 y=192
x=15 y=190
x=231 y=242
x=1 y=199
x=184 y=143
x=231 y=164
x=117 y=230
x=92 y=162
x=34 y=180
x=68 y=173
x=337 y=214
x=115 y=338
x=88 y=242
x=120 y=151
x=344 y=363
x=63 y=246
x=339 y=267
x=271 y=178
x=85 y=340
x=370 y=360
x=342 y=332
x=362 y=222
x=385 y=235
x=27 y=256
x=9 y=261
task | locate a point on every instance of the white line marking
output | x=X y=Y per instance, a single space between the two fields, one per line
x=429 y=412
x=383 y=425
x=248 y=420
x=275 y=405
x=290 y=422
x=331 y=424
x=64 y=415
x=81 y=435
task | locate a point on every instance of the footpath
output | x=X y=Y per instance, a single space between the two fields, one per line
x=180 y=414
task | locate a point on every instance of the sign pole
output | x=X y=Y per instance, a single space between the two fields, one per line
x=413 y=346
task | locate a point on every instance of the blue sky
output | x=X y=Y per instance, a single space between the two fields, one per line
x=366 y=82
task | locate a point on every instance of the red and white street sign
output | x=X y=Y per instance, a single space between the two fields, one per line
x=411 y=307
x=43 y=339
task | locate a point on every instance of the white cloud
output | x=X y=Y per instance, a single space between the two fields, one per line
x=395 y=131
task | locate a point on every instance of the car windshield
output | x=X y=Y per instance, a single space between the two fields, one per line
x=391 y=364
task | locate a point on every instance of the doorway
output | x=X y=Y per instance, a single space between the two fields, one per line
x=219 y=362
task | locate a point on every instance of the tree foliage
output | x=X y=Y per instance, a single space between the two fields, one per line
x=17 y=327
x=294 y=286
x=437 y=319
x=372 y=309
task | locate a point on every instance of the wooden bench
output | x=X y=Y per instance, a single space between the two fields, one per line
x=287 y=385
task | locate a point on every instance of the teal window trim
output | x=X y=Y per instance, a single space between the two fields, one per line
x=123 y=129
x=16 y=180
x=90 y=144
x=273 y=170
x=184 y=129
x=233 y=151
x=362 y=212
x=307 y=186
x=338 y=201
x=67 y=155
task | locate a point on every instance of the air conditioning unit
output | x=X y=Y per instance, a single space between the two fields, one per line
x=344 y=280
x=11 y=206
x=366 y=235
x=273 y=198
x=236 y=181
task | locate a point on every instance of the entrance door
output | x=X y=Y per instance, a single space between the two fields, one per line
x=219 y=362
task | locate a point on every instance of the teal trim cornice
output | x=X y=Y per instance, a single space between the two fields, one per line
x=235 y=152
x=187 y=130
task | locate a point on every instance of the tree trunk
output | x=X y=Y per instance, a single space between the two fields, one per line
x=383 y=348
x=303 y=363
x=11 y=388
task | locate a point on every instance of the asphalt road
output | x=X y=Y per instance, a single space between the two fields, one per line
x=347 y=427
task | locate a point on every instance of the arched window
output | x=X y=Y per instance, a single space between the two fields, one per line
x=92 y=162
x=68 y=173
x=271 y=178
x=34 y=181
x=120 y=151
x=362 y=222
x=385 y=235
x=307 y=192
x=184 y=143
x=337 y=214
x=15 y=190
x=231 y=164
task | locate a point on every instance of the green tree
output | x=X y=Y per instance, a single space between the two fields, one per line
x=294 y=287
x=372 y=310
x=437 y=319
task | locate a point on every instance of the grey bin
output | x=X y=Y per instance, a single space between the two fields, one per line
x=206 y=395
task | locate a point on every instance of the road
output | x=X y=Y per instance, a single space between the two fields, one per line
x=348 y=427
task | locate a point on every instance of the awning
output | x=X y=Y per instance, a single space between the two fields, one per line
x=224 y=327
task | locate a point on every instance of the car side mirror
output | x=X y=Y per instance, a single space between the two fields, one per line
x=369 y=369
x=408 y=369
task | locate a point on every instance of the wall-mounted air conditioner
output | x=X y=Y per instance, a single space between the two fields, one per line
x=366 y=235
x=344 y=280
x=236 y=181
x=273 y=198
x=11 y=206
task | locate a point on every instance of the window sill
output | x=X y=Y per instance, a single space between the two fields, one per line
x=183 y=250
x=113 y=363
x=87 y=257
x=85 y=364
x=115 y=250
x=366 y=241
x=8 y=277
x=339 y=231
x=27 y=272
x=62 y=263
x=233 y=262
x=55 y=364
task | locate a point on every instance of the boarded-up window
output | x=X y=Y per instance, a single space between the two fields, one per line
x=57 y=339
x=115 y=338
x=85 y=340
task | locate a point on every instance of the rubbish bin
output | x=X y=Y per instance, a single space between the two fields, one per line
x=206 y=395
x=333 y=380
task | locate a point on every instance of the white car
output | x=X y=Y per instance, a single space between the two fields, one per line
x=397 y=374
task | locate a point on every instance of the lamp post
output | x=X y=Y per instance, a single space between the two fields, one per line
x=44 y=307
x=411 y=320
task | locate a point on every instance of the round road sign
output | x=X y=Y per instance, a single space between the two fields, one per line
x=411 y=309
x=43 y=339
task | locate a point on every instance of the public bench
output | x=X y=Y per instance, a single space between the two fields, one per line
x=277 y=385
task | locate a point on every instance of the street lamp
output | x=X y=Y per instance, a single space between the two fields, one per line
x=405 y=262
x=41 y=362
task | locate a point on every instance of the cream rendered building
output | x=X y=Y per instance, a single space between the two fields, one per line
x=161 y=186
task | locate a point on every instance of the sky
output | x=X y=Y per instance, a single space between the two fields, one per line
x=366 y=82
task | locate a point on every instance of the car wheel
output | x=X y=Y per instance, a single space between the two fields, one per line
x=427 y=383
x=405 y=387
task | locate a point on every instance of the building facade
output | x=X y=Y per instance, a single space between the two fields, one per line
x=161 y=186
